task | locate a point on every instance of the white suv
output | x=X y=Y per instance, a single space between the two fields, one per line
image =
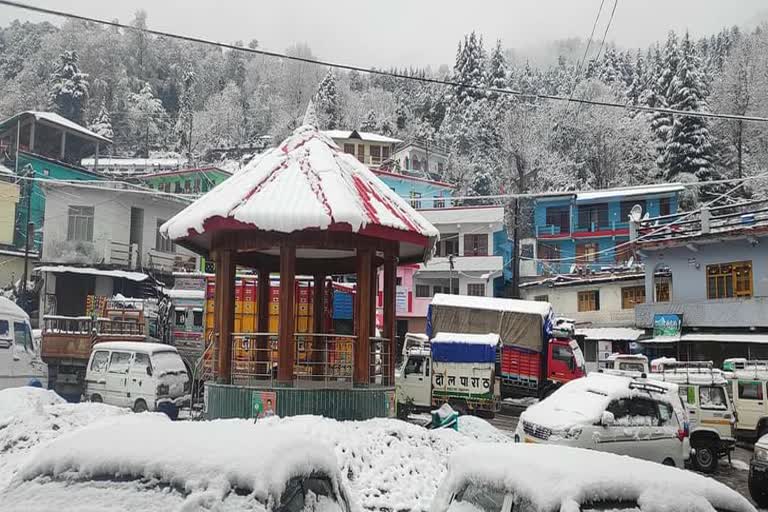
x=611 y=413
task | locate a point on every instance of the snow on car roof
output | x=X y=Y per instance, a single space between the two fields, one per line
x=493 y=303
x=140 y=346
x=469 y=339
x=9 y=308
x=697 y=376
x=561 y=478
x=238 y=455
x=583 y=400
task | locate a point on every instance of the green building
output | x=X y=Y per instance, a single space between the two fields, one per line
x=197 y=180
x=45 y=145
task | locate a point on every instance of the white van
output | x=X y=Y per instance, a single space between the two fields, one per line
x=19 y=354
x=139 y=375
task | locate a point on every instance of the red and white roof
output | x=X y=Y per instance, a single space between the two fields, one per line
x=306 y=183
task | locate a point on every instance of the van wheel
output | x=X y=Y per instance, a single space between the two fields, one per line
x=669 y=462
x=706 y=459
x=96 y=398
x=140 y=406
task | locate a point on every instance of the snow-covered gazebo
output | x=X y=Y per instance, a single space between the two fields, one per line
x=307 y=208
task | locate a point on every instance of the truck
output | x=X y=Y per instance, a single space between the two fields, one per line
x=454 y=368
x=538 y=353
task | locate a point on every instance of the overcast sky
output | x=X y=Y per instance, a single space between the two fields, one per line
x=413 y=32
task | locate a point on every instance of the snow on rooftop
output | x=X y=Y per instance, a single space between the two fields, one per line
x=139 y=346
x=630 y=191
x=610 y=333
x=466 y=215
x=493 y=303
x=562 y=478
x=54 y=118
x=366 y=136
x=135 y=162
x=185 y=294
x=305 y=183
x=470 y=339
x=57 y=269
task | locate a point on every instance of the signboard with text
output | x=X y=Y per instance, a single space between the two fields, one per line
x=667 y=325
x=401 y=300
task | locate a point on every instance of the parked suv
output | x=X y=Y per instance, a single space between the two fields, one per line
x=704 y=392
x=748 y=390
x=758 y=473
x=612 y=413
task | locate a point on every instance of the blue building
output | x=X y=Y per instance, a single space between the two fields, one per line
x=421 y=192
x=583 y=229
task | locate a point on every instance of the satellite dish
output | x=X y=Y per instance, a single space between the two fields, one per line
x=636 y=213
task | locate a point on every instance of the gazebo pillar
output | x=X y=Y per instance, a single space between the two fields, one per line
x=287 y=326
x=389 y=288
x=225 y=312
x=262 y=342
x=363 y=328
x=319 y=343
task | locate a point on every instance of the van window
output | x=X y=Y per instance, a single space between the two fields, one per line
x=643 y=412
x=99 y=362
x=750 y=390
x=22 y=335
x=713 y=397
x=479 y=497
x=414 y=365
x=119 y=362
x=5 y=331
x=666 y=413
x=140 y=363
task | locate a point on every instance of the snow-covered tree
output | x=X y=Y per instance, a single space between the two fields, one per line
x=371 y=122
x=147 y=119
x=221 y=124
x=329 y=110
x=184 y=121
x=498 y=72
x=69 y=88
x=102 y=123
x=469 y=70
x=661 y=123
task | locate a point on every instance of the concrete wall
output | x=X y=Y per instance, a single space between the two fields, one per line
x=9 y=197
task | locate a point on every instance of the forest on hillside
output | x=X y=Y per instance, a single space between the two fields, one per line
x=163 y=95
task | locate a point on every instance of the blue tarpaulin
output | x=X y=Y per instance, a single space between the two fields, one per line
x=457 y=352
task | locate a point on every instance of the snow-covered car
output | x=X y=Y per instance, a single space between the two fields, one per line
x=758 y=473
x=139 y=375
x=539 y=478
x=612 y=413
x=148 y=462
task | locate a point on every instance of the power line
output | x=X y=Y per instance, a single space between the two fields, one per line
x=581 y=62
x=372 y=71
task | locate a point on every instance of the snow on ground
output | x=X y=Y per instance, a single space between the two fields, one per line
x=31 y=416
x=740 y=465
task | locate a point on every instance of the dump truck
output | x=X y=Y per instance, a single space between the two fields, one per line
x=454 y=368
x=538 y=353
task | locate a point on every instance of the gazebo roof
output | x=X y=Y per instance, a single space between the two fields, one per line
x=306 y=184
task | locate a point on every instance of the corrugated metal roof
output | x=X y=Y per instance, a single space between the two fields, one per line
x=56 y=119
x=629 y=192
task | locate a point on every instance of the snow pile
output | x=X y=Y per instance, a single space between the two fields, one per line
x=31 y=416
x=561 y=478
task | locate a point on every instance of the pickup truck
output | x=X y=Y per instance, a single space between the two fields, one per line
x=454 y=368
x=538 y=353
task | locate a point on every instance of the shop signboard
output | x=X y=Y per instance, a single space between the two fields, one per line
x=668 y=325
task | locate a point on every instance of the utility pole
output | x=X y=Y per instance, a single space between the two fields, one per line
x=738 y=147
x=515 y=249
x=450 y=274
x=30 y=233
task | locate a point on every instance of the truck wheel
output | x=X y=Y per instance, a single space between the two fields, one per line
x=140 y=406
x=96 y=398
x=758 y=494
x=706 y=459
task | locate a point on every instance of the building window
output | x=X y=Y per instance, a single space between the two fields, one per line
x=80 y=223
x=448 y=245
x=361 y=152
x=589 y=301
x=162 y=244
x=181 y=317
x=177 y=187
x=416 y=199
x=375 y=154
x=385 y=152
x=422 y=290
x=560 y=218
x=407 y=164
x=476 y=289
x=439 y=202
x=541 y=298
x=549 y=252
x=476 y=245
x=398 y=281
x=593 y=217
x=665 y=206
x=416 y=164
x=526 y=251
x=587 y=252
x=662 y=290
x=632 y=296
x=349 y=149
x=626 y=207
x=197 y=318
x=728 y=280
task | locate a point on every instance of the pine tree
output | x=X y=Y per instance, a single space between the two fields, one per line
x=147 y=119
x=637 y=82
x=102 y=123
x=469 y=69
x=480 y=184
x=327 y=102
x=69 y=88
x=498 y=74
x=661 y=123
x=689 y=147
x=186 y=112
x=609 y=68
x=371 y=123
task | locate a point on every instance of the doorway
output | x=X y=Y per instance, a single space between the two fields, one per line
x=137 y=232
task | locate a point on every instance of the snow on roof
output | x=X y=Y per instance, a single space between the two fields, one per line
x=305 y=183
x=465 y=215
x=185 y=294
x=627 y=357
x=562 y=478
x=544 y=309
x=575 y=279
x=56 y=119
x=469 y=339
x=139 y=346
x=135 y=162
x=57 y=269
x=9 y=308
x=366 y=136
x=610 y=333
x=691 y=376
x=630 y=191
x=469 y=264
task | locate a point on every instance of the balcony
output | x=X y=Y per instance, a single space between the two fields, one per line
x=721 y=313
x=551 y=230
x=595 y=228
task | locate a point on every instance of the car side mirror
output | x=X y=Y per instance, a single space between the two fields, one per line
x=607 y=419
x=149 y=371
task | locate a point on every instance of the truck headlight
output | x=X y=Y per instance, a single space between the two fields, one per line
x=761 y=454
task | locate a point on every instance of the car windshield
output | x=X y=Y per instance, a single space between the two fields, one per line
x=478 y=498
x=309 y=494
x=167 y=363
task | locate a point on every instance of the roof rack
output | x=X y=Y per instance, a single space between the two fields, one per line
x=748 y=366
x=647 y=386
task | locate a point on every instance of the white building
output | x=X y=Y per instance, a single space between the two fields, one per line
x=420 y=158
x=467 y=233
x=372 y=149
